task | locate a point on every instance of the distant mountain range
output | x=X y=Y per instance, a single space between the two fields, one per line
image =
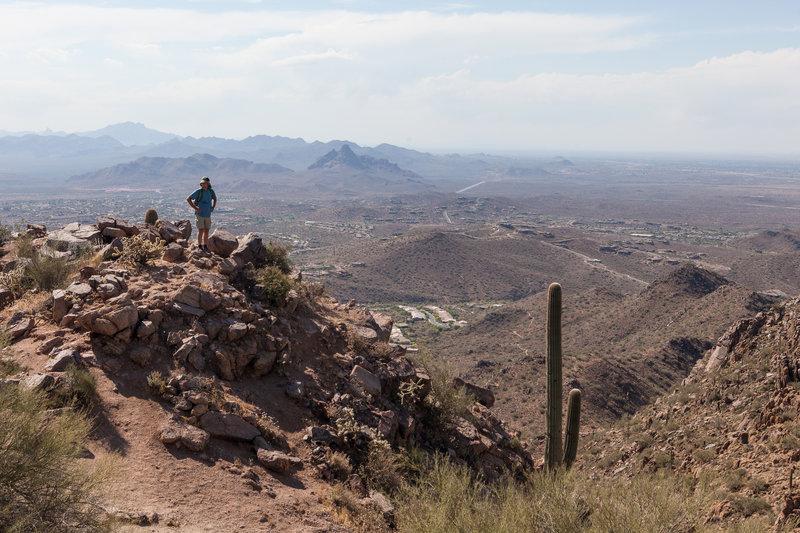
x=339 y=173
x=131 y=154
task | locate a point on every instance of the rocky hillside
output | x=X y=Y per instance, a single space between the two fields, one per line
x=733 y=424
x=622 y=351
x=226 y=408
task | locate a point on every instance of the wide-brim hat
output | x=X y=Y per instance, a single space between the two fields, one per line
x=205 y=179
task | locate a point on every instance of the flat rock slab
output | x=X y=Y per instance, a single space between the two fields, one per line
x=188 y=309
x=62 y=360
x=228 y=426
x=277 y=461
x=81 y=290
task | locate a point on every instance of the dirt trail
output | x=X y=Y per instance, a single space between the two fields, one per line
x=599 y=266
x=205 y=493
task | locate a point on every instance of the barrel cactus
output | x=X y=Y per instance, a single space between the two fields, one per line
x=150 y=217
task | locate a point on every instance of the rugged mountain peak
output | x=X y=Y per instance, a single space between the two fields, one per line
x=691 y=279
x=347 y=159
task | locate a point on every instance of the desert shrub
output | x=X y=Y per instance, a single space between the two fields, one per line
x=45 y=272
x=138 y=251
x=271 y=431
x=705 y=455
x=746 y=505
x=42 y=486
x=449 y=497
x=81 y=386
x=5 y=338
x=9 y=367
x=310 y=291
x=381 y=469
x=5 y=234
x=735 y=479
x=275 y=282
x=25 y=246
x=150 y=216
x=339 y=465
x=447 y=403
x=278 y=257
x=156 y=382
x=78 y=389
x=348 y=510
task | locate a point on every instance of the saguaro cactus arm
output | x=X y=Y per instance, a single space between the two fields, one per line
x=573 y=427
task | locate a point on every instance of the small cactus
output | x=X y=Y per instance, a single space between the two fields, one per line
x=553 y=452
x=150 y=217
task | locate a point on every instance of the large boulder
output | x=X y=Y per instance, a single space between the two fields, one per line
x=384 y=324
x=73 y=235
x=185 y=226
x=19 y=325
x=105 y=223
x=250 y=250
x=173 y=252
x=113 y=248
x=222 y=243
x=369 y=381
x=168 y=231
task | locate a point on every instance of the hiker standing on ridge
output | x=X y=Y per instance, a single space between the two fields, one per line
x=203 y=201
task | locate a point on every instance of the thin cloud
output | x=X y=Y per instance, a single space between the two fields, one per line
x=330 y=53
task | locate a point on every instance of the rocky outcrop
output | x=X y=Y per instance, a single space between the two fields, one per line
x=192 y=313
x=222 y=243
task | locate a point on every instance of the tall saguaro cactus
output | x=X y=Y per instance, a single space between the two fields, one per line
x=553 y=452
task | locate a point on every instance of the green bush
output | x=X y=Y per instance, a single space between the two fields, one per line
x=448 y=497
x=81 y=385
x=275 y=282
x=278 y=256
x=5 y=234
x=25 y=246
x=45 y=272
x=446 y=402
x=9 y=367
x=43 y=488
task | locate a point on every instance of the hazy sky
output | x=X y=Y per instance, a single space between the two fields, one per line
x=671 y=76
